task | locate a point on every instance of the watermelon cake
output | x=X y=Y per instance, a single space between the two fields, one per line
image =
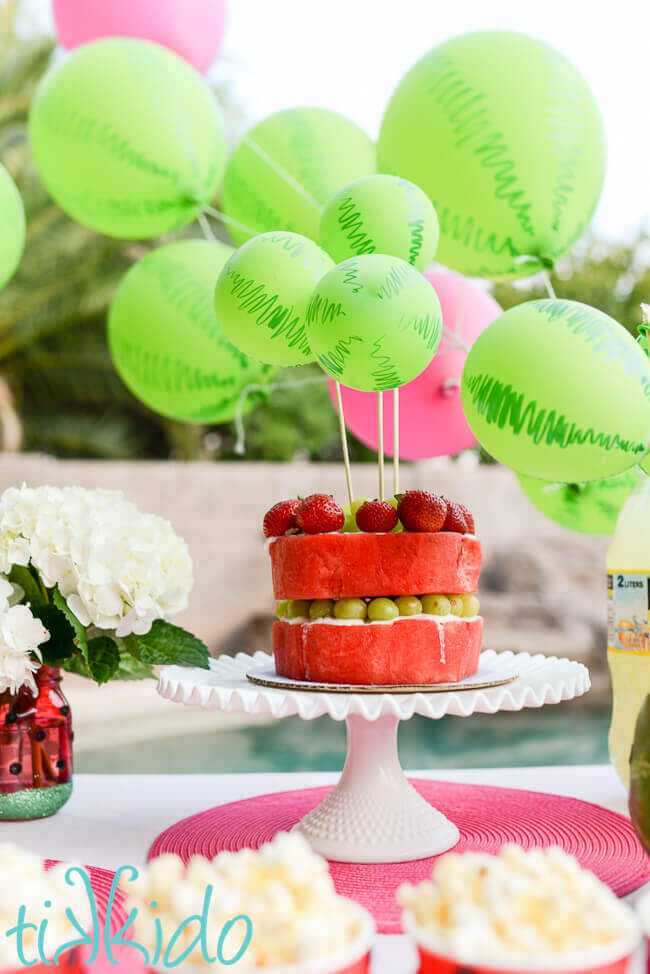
x=384 y=594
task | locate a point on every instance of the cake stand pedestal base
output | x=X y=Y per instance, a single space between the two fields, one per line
x=373 y=814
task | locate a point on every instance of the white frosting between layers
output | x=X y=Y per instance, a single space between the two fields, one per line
x=421 y=616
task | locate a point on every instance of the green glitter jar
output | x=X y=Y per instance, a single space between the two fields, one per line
x=35 y=749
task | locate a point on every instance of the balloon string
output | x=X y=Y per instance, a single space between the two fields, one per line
x=550 y=488
x=344 y=444
x=228 y=220
x=460 y=310
x=543 y=272
x=380 y=442
x=550 y=290
x=240 y=443
x=396 y=441
x=282 y=172
x=204 y=223
x=453 y=338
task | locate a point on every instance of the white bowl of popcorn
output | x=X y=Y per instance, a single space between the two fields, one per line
x=518 y=912
x=290 y=918
x=24 y=881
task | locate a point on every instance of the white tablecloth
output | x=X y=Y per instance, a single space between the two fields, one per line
x=111 y=820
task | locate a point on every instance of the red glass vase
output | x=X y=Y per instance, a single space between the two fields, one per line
x=35 y=749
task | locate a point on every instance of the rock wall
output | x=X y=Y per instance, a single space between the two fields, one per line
x=542 y=587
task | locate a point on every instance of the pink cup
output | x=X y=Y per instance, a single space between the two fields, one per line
x=69 y=963
x=616 y=958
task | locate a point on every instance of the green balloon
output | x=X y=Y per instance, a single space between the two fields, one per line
x=127 y=138
x=262 y=295
x=288 y=166
x=590 y=508
x=12 y=227
x=559 y=391
x=374 y=322
x=505 y=137
x=165 y=340
x=381 y=215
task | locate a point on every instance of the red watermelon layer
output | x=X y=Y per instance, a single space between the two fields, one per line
x=333 y=566
x=405 y=652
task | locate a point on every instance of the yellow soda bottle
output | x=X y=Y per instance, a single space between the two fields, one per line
x=628 y=621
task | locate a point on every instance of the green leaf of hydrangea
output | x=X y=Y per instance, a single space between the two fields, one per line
x=131 y=668
x=80 y=636
x=170 y=645
x=76 y=664
x=60 y=646
x=22 y=575
x=103 y=658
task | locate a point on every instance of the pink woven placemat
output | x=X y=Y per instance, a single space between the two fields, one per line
x=129 y=960
x=487 y=817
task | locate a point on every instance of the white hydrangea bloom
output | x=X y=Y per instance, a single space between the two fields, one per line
x=20 y=636
x=118 y=568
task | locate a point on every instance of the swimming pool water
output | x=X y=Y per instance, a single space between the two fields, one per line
x=531 y=737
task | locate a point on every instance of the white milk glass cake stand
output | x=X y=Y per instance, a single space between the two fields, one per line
x=374 y=814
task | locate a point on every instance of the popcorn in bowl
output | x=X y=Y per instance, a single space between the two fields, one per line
x=24 y=882
x=289 y=915
x=518 y=911
x=643 y=912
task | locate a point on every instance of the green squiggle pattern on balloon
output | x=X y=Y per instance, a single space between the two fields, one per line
x=397 y=279
x=580 y=320
x=351 y=221
x=334 y=361
x=474 y=236
x=267 y=310
x=321 y=307
x=504 y=406
x=385 y=375
x=468 y=114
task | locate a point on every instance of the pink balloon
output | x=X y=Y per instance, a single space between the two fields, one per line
x=192 y=28
x=432 y=421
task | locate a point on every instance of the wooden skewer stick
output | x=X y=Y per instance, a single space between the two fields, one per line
x=396 y=441
x=380 y=443
x=37 y=760
x=50 y=773
x=344 y=444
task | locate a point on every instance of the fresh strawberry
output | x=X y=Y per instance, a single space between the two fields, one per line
x=455 y=520
x=320 y=514
x=419 y=510
x=281 y=518
x=469 y=519
x=378 y=517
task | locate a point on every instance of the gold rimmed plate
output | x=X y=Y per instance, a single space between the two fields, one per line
x=487 y=676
